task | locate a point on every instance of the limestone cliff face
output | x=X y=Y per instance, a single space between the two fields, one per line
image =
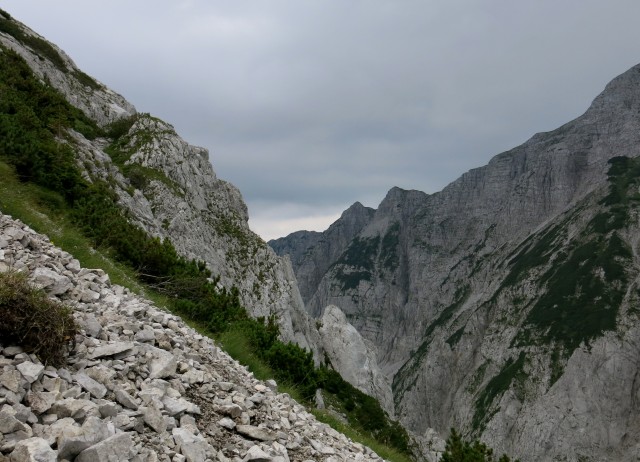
x=504 y=305
x=353 y=357
x=171 y=190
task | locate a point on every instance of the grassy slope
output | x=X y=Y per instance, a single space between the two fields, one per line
x=28 y=203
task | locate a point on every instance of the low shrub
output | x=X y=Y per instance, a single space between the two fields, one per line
x=28 y=318
x=459 y=450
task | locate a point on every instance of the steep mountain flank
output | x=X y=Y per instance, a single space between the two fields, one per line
x=139 y=385
x=169 y=187
x=506 y=304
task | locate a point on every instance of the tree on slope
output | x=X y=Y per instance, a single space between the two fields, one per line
x=458 y=450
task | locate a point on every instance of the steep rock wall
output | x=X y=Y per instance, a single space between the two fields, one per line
x=456 y=290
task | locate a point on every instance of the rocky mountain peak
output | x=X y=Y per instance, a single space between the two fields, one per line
x=466 y=293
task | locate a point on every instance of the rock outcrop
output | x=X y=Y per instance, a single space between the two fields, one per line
x=140 y=385
x=353 y=357
x=504 y=305
x=170 y=189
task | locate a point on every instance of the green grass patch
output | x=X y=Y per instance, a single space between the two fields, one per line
x=384 y=451
x=236 y=343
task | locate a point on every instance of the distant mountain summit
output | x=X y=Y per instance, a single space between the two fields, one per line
x=506 y=305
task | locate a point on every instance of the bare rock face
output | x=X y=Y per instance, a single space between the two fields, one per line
x=504 y=304
x=353 y=357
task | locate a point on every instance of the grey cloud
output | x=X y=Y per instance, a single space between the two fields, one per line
x=323 y=102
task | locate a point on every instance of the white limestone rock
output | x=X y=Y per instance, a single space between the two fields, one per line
x=193 y=447
x=30 y=371
x=96 y=389
x=353 y=358
x=52 y=282
x=118 y=447
x=33 y=450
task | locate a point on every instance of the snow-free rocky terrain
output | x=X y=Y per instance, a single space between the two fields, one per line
x=140 y=385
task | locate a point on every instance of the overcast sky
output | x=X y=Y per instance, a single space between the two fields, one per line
x=310 y=105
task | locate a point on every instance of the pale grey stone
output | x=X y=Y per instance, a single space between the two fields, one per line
x=193 y=376
x=52 y=282
x=30 y=371
x=90 y=324
x=125 y=399
x=232 y=410
x=40 y=402
x=227 y=423
x=33 y=450
x=73 y=440
x=12 y=350
x=272 y=384
x=256 y=454
x=96 y=389
x=193 y=447
x=73 y=266
x=175 y=406
x=145 y=335
x=111 y=349
x=163 y=364
x=108 y=409
x=11 y=379
x=154 y=419
x=254 y=433
x=103 y=375
x=118 y=447
x=9 y=423
x=225 y=386
x=75 y=408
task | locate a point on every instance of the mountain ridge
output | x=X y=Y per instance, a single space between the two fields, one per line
x=455 y=288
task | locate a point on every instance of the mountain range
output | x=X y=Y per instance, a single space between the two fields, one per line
x=505 y=305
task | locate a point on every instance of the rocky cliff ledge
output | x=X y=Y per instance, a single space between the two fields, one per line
x=140 y=385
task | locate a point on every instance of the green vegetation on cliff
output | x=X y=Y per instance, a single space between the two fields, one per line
x=458 y=450
x=48 y=191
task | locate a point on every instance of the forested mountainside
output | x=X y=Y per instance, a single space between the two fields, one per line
x=506 y=305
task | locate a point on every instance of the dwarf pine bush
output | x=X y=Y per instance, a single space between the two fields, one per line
x=28 y=318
